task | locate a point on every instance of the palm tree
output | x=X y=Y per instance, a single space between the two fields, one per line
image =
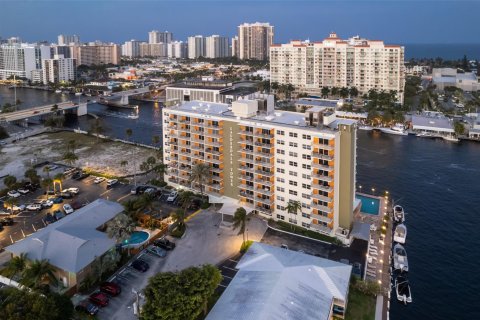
x=70 y=157
x=96 y=128
x=38 y=273
x=179 y=217
x=46 y=183
x=240 y=221
x=344 y=92
x=59 y=177
x=32 y=175
x=160 y=170
x=46 y=169
x=353 y=91
x=120 y=228
x=145 y=203
x=293 y=207
x=9 y=181
x=15 y=266
x=10 y=203
x=200 y=175
x=325 y=92
x=334 y=91
x=185 y=197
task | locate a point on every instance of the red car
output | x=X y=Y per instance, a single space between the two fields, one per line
x=110 y=288
x=98 y=298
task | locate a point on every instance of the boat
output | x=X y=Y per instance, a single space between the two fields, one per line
x=398 y=214
x=400 y=261
x=132 y=116
x=365 y=127
x=78 y=94
x=397 y=129
x=402 y=288
x=450 y=138
x=58 y=91
x=400 y=234
x=427 y=135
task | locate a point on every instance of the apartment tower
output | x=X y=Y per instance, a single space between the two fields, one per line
x=254 y=40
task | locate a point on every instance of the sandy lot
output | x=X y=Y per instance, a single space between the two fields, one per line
x=99 y=155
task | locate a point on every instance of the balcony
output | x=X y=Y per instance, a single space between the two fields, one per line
x=246 y=186
x=263 y=135
x=264 y=210
x=213 y=143
x=213 y=135
x=246 y=195
x=247 y=151
x=322 y=156
x=320 y=217
x=212 y=160
x=247 y=160
x=264 y=163
x=264 y=145
x=264 y=200
x=246 y=177
x=264 y=191
x=197 y=140
x=320 y=228
x=216 y=170
x=321 y=166
x=264 y=154
x=322 y=177
x=321 y=208
x=246 y=168
x=198 y=148
x=209 y=150
x=264 y=173
x=322 y=187
x=267 y=183
x=245 y=132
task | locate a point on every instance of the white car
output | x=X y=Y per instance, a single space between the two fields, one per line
x=111 y=183
x=172 y=196
x=47 y=203
x=23 y=191
x=4 y=213
x=72 y=190
x=34 y=207
x=13 y=194
x=98 y=180
x=67 y=208
x=16 y=208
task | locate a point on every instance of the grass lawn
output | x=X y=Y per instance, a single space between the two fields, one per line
x=360 y=306
x=301 y=231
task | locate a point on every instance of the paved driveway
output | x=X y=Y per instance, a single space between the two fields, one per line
x=204 y=242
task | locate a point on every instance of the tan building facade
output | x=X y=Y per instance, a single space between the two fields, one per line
x=263 y=160
x=364 y=64
x=254 y=40
x=97 y=54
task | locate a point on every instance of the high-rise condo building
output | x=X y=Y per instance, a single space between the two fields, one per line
x=234 y=48
x=156 y=36
x=216 y=47
x=254 y=40
x=97 y=54
x=64 y=39
x=131 y=48
x=364 y=64
x=58 y=69
x=196 y=47
x=262 y=159
x=153 y=49
x=177 y=49
x=22 y=60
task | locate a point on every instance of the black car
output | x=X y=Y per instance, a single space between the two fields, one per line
x=164 y=244
x=49 y=218
x=6 y=222
x=140 y=265
x=87 y=307
x=31 y=186
x=79 y=175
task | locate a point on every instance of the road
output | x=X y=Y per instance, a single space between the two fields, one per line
x=34 y=112
x=27 y=222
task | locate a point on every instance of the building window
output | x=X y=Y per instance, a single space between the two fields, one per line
x=293 y=154
x=293 y=221
x=305 y=225
x=293 y=144
x=307 y=156
x=292 y=173
x=306 y=186
x=280 y=151
x=279 y=216
x=280 y=189
x=306 y=147
x=306 y=166
x=293 y=164
x=281 y=132
x=306 y=176
x=292 y=192
x=305 y=196
x=292 y=183
x=306 y=215
x=281 y=142
x=281 y=161
x=306 y=136
x=280 y=180
x=280 y=198
x=293 y=134
x=280 y=170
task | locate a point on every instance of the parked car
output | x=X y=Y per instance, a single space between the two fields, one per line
x=47 y=203
x=68 y=208
x=31 y=186
x=87 y=307
x=34 y=207
x=98 y=298
x=4 y=213
x=49 y=218
x=164 y=243
x=172 y=196
x=140 y=265
x=13 y=194
x=23 y=191
x=110 y=288
x=98 y=180
x=79 y=175
x=6 y=221
x=18 y=208
x=74 y=191
x=57 y=200
x=111 y=183
x=357 y=269
x=157 y=251
x=57 y=214
x=65 y=195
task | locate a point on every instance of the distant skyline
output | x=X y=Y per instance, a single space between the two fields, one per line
x=399 y=22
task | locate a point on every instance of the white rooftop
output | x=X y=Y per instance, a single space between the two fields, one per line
x=434 y=122
x=278 y=284
x=73 y=242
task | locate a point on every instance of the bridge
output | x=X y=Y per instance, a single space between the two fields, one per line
x=43 y=110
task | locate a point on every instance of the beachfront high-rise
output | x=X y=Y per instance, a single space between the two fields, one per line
x=64 y=39
x=156 y=36
x=196 y=46
x=254 y=40
x=333 y=62
x=22 y=60
x=263 y=159
x=58 y=69
x=216 y=47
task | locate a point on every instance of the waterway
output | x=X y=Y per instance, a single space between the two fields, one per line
x=437 y=182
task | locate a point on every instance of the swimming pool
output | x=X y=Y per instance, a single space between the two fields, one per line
x=369 y=205
x=136 y=238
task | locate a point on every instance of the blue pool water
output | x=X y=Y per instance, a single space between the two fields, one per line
x=369 y=205
x=137 y=237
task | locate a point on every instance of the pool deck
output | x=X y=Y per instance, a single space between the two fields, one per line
x=379 y=250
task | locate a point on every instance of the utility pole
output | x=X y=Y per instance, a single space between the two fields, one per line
x=15 y=91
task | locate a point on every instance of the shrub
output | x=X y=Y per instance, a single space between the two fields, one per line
x=245 y=246
x=369 y=288
x=178 y=231
x=285 y=226
x=205 y=205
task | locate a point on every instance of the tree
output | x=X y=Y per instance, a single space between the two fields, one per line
x=15 y=266
x=179 y=217
x=160 y=170
x=325 y=92
x=32 y=175
x=10 y=203
x=180 y=295
x=108 y=262
x=10 y=181
x=38 y=274
x=19 y=304
x=334 y=91
x=47 y=170
x=459 y=128
x=274 y=86
x=240 y=221
x=46 y=183
x=200 y=175
x=70 y=158
x=344 y=92
x=120 y=228
x=185 y=197
x=293 y=207
x=96 y=128
x=353 y=92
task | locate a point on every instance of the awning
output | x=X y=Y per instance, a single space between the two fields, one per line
x=361 y=230
x=231 y=205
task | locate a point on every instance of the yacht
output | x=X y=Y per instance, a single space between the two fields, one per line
x=427 y=135
x=400 y=261
x=78 y=93
x=400 y=234
x=58 y=91
x=365 y=127
x=398 y=214
x=397 y=129
x=402 y=289
x=450 y=138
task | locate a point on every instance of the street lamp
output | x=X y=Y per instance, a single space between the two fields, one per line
x=373 y=190
x=360 y=188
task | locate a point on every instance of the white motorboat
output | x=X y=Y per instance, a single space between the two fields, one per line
x=398 y=214
x=78 y=94
x=450 y=138
x=400 y=261
x=365 y=127
x=398 y=129
x=427 y=135
x=58 y=91
x=400 y=234
x=402 y=289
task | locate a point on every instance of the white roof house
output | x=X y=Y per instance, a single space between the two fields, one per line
x=274 y=283
x=438 y=124
x=73 y=242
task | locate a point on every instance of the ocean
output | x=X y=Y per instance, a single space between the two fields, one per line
x=445 y=51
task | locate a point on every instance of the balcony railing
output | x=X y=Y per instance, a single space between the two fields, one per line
x=321 y=208
x=320 y=228
x=322 y=156
x=321 y=218
x=321 y=166
x=322 y=177
x=322 y=187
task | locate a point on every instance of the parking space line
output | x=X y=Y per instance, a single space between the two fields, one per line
x=221 y=285
x=229 y=268
x=193 y=215
x=123 y=197
x=104 y=192
x=226 y=276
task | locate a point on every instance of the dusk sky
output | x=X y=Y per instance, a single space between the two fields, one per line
x=399 y=22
